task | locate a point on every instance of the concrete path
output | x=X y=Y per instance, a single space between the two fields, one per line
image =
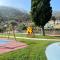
x=41 y=34
x=34 y=38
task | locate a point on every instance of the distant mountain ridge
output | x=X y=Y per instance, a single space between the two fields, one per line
x=9 y=11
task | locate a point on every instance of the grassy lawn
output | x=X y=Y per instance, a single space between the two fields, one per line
x=34 y=51
x=34 y=36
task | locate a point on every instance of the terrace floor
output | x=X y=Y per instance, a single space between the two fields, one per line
x=11 y=46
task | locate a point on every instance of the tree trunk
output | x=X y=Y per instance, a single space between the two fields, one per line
x=14 y=33
x=8 y=32
x=43 y=31
x=54 y=23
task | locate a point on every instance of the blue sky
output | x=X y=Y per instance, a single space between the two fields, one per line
x=55 y=5
x=20 y=4
x=26 y=4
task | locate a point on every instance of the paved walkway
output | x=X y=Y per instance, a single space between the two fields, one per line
x=41 y=34
x=35 y=38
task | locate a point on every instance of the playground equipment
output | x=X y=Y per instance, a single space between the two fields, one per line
x=29 y=30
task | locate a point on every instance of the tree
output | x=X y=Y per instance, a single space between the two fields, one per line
x=12 y=26
x=41 y=12
x=58 y=19
x=1 y=24
x=54 y=19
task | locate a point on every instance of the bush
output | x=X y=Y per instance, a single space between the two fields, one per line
x=22 y=27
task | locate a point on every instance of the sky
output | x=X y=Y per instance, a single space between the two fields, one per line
x=26 y=4
x=55 y=5
x=20 y=4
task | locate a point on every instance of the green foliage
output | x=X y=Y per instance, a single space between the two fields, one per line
x=2 y=28
x=13 y=23
x=41 y=12
x=11 y=15
x=22 y=27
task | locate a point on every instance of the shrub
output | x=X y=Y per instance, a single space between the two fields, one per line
x=22 y=27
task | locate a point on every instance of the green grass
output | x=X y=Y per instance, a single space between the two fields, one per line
x=34 y=36
x=34 y=51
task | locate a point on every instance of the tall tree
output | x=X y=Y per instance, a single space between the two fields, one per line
x=41 y=12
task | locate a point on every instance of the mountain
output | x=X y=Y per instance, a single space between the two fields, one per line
x=10 y=12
